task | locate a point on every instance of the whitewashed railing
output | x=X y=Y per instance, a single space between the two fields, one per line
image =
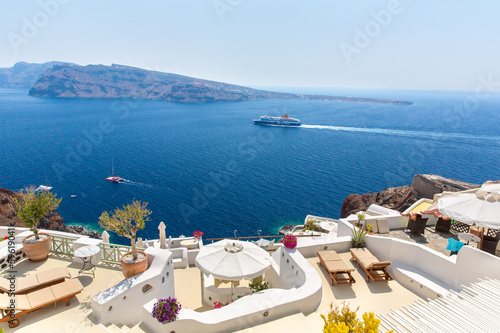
x=113 y=252
x=62 y=244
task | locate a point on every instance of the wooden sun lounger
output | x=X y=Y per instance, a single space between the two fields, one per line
x=335 y=265
x=36 y=300
x=35 y=281
x=375 y=269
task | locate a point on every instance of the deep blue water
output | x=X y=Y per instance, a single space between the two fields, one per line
x=208 y=167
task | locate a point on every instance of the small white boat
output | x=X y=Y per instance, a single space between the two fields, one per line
x=73 y=195
x=43 y=188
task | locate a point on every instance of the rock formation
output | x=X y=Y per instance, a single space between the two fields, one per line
x=402 y=197
x=53 y=220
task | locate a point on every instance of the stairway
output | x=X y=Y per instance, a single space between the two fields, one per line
x=473 y=309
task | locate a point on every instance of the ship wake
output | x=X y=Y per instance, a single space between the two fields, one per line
x=405 y=133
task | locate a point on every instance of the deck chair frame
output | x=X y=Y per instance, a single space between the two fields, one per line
x=374 y=271
x=12 y=315
x=337 y=275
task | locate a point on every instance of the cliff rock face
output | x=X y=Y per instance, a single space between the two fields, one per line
x=400 y=198
x=116 y=81
x=53 y=220
x=23 y=74
x=397 y=198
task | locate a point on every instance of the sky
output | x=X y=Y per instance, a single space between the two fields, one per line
x=392 y=44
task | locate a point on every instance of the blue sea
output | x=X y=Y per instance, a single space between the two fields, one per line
x=208 y=167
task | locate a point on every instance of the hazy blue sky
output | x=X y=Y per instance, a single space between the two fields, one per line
x=423 y=44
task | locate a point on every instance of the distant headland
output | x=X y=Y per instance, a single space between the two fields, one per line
x=63 y=80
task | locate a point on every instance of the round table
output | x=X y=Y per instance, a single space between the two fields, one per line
x=189 y=243
x=469 y=237
x=86 y=253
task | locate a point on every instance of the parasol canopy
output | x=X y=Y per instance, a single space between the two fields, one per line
x=233 y=260
x=481 y=208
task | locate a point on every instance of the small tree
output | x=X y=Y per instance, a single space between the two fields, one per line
x=127 y=221
x=32 y=207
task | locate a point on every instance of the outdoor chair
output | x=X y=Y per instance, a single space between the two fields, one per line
x=417 y=226
x=443 y=225
x=375 y=270
x=335 y=265
x=489 y=244
x=38 y=299
x=35 y=281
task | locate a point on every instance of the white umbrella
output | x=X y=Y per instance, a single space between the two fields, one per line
x=481 y=208
x=105 y=236
x=233 y=260
x=162 y=227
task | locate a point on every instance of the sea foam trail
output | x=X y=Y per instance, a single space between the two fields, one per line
x=130 y=182
x=420 y=134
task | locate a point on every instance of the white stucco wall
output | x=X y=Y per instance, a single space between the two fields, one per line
x=296 y=287
x=120 y=304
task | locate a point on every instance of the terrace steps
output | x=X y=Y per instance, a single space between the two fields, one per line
x=457 y=312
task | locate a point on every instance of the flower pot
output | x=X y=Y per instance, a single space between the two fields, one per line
x=37 y=251
x=131 y=269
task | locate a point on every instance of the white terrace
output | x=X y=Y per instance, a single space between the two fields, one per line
x=300 y=289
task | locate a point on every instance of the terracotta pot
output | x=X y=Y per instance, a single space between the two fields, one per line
x=129 y=270
x=37 y=251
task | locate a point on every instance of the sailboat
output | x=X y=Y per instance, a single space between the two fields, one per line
x=113 y=178
x=44 y=188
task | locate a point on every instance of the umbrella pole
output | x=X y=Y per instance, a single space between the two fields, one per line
x=232 y=284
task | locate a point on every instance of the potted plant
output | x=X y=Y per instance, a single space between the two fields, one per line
x=310 y=225
x=126 y=222
x=31 y=207
x=198 y=235
x=361 y=217
x=289 y=241
x=369 y=229
x=166 y=310
x=357 y=237
x=257 y=284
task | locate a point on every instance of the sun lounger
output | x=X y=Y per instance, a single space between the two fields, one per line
x=35 y=281
x=375 y=269
x=23 y=304
x=335 y=265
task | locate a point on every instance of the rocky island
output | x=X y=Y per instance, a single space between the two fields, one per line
x=117 y=81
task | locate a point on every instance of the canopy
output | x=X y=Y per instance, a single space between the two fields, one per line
x=233 y=260
x=481 y=208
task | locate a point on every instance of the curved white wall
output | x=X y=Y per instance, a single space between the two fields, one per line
x=296 y=288
x=120 y=303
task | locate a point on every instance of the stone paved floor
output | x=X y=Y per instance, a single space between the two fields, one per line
x=434 y=239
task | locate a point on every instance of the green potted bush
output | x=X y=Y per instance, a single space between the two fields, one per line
x=357 y=238
x=126 y=222
x=31 y=207
x=361 y=218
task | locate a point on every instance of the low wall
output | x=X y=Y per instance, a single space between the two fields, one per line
x=298 y=289
x=468 y=266
x=118 y=304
